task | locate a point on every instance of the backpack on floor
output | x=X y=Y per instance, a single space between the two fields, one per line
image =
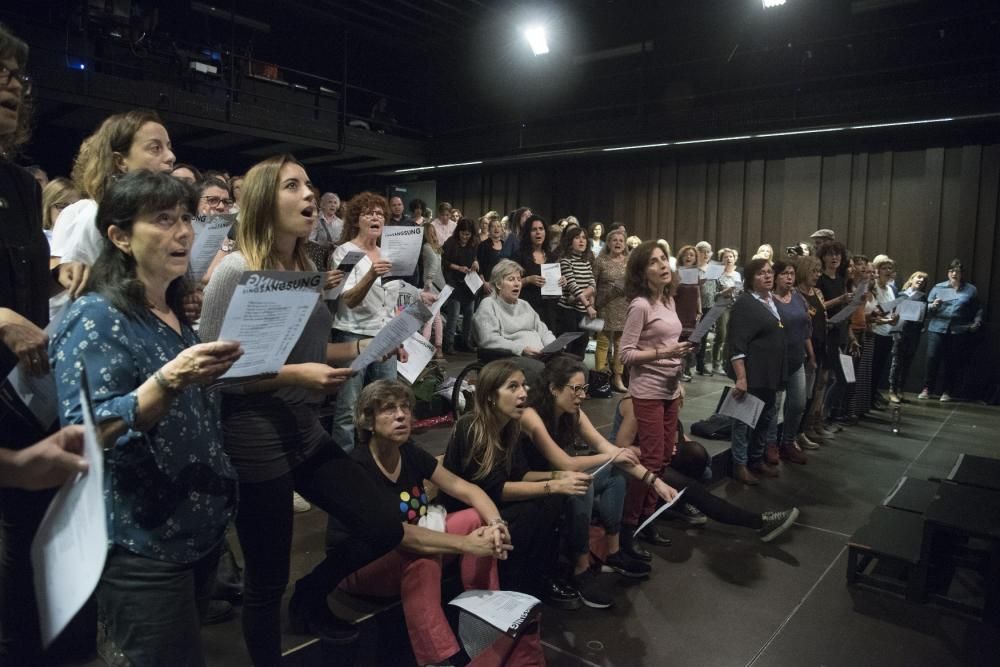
x=716 y=427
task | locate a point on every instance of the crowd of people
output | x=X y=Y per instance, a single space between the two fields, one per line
x=524 y=473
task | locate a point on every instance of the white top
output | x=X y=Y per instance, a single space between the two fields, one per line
x=432 y=267
x=74 y=239
x=509 y=326
x=378 y=306
x=882 y=298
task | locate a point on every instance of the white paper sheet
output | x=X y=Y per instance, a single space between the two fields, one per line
x=71 y=544
x=911 y=311
x=209 y=232
x=559 y=344
x=707 y=321
x=690 y=275
x=597 y=469
x=714 y=270
x=746 y=409
x=267 y=315
x=435 y=307
x=401 y=246
x=946 y=294
x=39 y=393
x=663 y=508
x=351 y=260
x=473 y=280
x=420 y=351
x=392 y=335
x=507 y=611
x=848 y=310
x=552 y=274
x=847 y=365
x=595 y=324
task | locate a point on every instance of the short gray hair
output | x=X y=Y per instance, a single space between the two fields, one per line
x=504 y=268
x=703 y=246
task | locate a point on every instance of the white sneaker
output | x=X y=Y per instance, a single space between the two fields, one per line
x=945 y=398
x=300 y=504
x=924 y=395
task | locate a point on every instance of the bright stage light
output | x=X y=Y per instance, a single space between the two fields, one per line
x=535 y=35
x=773 y=3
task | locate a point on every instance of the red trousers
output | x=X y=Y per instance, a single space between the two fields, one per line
x=657 y=427
x=417 y=580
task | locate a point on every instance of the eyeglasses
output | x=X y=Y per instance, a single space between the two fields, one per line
x=579 y=388
x=7 y=74
x=215 y=201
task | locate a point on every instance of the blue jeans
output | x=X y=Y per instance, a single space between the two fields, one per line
x=792 y=410
x=347 y=396
x=607 y=493
x=747 y=444
x=945 y=349
x=451 y=322
x=149 y=610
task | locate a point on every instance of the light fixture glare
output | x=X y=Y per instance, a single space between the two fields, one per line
x=768 y=4
x=535 y=34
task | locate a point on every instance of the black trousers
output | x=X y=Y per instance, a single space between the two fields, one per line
x=341 y=488
x=533 y=532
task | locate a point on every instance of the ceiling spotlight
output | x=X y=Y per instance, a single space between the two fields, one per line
x=535 y=35
x=773 y=3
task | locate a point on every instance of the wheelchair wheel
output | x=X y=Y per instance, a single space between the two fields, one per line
x=462 y=401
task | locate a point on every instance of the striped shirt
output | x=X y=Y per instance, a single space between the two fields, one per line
x=579 y=275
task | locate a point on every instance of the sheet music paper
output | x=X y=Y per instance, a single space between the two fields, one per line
x=209 y=233
x=267 y=314
x=663 y=508
x=911 y=311
x=39 y=393
x=504 y=610
x=707 y=321
x=847 y=365
x=392 y=335
x=714 y=270
x=71 y=545
x=354 y=259
x=401 y=246
x=473 y=280
x=946 y=294
x=419 y=352
x=747 y=409
x=552 y=274
x=559 y=344
x=848 y=310
x=690 y=275
x=435 y=307
x=595 y=324
x=597 y=469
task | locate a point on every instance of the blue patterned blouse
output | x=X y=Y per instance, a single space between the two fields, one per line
x=170 y=491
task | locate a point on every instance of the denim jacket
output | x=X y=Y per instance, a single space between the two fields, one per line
x=956 y=316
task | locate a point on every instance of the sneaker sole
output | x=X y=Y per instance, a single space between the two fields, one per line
x=596 y=605
x=610 y=569
x=569 y=605
x=783 y=527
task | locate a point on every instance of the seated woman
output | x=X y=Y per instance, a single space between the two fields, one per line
x=413 y=571
x=485 y=449
x=687 y=465
x=554 y=422
x=504 y=322
x=170 y=487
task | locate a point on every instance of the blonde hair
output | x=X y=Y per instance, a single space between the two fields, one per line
x=95 y=164
x=606 y=250
x=504 y=268
x=258 y=213
x=58 y=190
x=914 y=277
x=723 y=251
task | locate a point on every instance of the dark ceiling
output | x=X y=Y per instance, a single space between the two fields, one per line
x=462 y=83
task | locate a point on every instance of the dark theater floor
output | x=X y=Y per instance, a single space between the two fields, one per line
x=718 y=596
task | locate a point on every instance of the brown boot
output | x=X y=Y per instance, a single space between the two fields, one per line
x=742 y=474
x=771 y=453
x=790 y=453
x=762 y=469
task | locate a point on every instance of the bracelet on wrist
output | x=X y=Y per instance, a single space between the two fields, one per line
x=165 y=385
x=499 y=521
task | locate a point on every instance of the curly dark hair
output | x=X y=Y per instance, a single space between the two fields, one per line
x=114 y=273
x=359 y=204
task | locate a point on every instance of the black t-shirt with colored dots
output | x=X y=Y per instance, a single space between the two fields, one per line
x=407 y=492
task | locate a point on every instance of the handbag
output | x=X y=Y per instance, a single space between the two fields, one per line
x=600 y=384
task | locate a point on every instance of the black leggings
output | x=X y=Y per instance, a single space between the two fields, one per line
x=341 y=488
x=685 y=467
x=533 y=526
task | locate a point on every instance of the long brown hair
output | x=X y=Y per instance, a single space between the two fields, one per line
x=635 y=274
x=492 y=436
x=258 y=213
x=94 y=165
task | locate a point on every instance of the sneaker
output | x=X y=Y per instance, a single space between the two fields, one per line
x=686 y=377
x=559 y=595
x=924 y=395
x=775 y=523
x=590 y=587
x=895 y=398
x=805 y=442
x=945 y=398
x=686 y=512
x=300 y=504
x=620 y=563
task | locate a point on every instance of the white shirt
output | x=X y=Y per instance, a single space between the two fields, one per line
x=378 y=306
x=75 y=238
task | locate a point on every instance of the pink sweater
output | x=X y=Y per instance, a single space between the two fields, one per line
x=648 y=326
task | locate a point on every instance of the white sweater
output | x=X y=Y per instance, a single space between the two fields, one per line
x=499 y=325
